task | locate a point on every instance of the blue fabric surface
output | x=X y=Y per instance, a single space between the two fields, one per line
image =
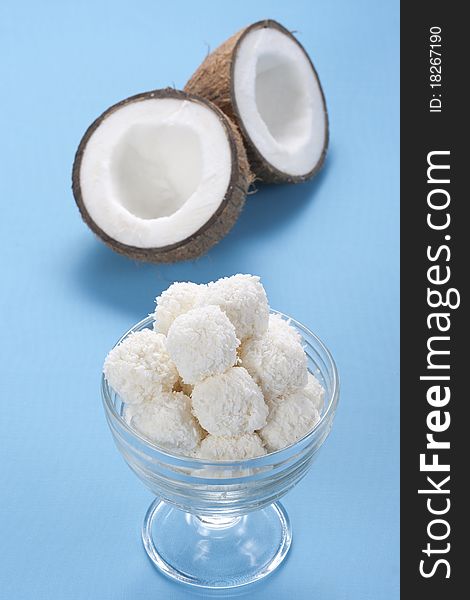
x=327 y=252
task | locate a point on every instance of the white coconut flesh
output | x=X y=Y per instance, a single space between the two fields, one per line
x=279 y=100
x=155 y=171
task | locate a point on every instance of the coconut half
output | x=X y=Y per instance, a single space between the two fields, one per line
x=264 y=80
x=161 y=176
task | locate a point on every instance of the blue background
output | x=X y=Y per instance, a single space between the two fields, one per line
x=327 y=251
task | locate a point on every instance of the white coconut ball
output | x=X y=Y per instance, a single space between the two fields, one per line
x=180 y=297
x=290 y=418
x=315 y=392
x=241 y=447
x=129 y=411
x=230 y=403
x=202 y=342
x=244 y=301
x=276 y=361
x=168 y=422
x=139 y=369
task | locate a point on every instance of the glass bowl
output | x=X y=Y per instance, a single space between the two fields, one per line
x=220 y=524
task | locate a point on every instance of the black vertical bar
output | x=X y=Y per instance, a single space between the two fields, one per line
x=435 y=268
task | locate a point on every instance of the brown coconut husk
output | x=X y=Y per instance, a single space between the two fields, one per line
x=221 y=221
x=214 y=80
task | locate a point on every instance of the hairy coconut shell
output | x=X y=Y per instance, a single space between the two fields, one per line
x=221 y=221
x=214 y=80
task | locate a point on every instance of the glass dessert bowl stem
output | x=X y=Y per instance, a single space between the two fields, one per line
x=216 y=552
x=220 y=524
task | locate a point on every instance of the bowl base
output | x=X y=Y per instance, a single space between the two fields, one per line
x=216 y=552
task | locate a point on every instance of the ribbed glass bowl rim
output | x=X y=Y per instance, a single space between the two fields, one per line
x=180 y=458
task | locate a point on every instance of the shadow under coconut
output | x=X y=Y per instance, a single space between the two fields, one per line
x=115 y=280
x=131 y=286
x=273 y=206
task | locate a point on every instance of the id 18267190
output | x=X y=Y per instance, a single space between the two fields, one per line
x=435 y=69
